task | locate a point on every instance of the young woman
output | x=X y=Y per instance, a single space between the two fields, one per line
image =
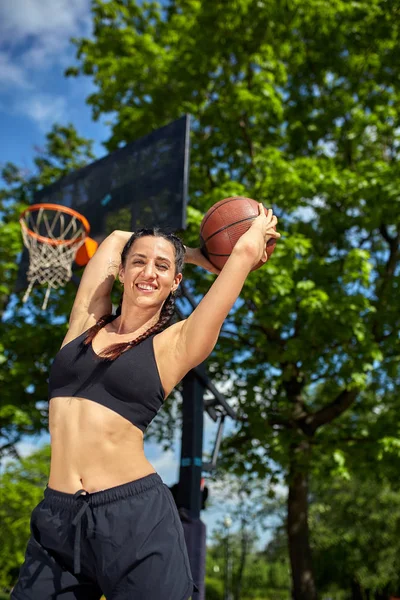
x=107 y=524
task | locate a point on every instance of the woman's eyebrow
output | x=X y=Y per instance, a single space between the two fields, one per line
x=158 y=257
x=164 y=258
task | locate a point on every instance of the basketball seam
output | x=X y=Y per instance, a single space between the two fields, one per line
x=212 y=210
x=228 y=226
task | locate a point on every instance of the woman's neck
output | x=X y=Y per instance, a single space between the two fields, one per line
x=132 y=321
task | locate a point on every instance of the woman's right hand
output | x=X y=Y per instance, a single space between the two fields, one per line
x=254 y=241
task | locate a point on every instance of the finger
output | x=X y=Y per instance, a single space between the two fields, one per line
x=270 y=216
x=273 y=234
x=270 y=225
x=274 y=221
x=263 y=210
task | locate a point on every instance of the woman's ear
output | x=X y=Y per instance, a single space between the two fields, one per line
x=177 y=280
x=121 y=274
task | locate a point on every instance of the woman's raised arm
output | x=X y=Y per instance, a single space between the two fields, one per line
x=198 y=334
x=93 y=298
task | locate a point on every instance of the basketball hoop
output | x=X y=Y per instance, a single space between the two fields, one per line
x=53 y=234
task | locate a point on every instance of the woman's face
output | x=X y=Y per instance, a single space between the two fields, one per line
x=149 y=272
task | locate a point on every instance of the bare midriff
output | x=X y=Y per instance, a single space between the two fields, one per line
x=92 y=447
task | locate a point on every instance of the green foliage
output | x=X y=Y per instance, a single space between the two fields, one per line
x=21 y=488
x=214 y=588
x=263 y=578
x=355 y=533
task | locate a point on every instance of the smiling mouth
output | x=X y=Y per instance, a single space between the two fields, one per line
x=143 y=287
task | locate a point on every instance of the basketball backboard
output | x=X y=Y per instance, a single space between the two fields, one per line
x=143 y=184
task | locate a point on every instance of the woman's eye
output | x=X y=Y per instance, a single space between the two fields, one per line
x=163 y=267
x=138 y=262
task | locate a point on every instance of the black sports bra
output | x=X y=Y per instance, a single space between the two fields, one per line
x=130 y=385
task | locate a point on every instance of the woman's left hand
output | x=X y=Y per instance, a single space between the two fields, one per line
x=195 y=256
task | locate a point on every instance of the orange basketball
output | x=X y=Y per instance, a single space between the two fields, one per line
x=224 y=224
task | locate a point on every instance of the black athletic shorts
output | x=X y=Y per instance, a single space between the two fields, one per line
x=125 y=542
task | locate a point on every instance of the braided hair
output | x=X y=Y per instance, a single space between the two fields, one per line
x=167 y=310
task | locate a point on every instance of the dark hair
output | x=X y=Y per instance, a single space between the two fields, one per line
x=168 y=308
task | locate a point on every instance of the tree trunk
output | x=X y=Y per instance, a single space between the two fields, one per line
x=244 y=548
x=303 y=584
x=358 y=592
x=4 y=300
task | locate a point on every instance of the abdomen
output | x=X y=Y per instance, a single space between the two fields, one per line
x=93 y=447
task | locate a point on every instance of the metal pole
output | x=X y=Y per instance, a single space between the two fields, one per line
x=189 y=492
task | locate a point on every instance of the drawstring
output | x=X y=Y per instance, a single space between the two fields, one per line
x=77 y=522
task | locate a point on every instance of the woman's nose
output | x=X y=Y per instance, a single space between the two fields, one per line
x=149 y=269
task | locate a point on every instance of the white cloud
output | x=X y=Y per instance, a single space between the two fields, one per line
x=42 y=19
x=35 y=38
x=165 y=461
x=43 y=109
x=166 y=465
x=27 y=448
x=12 y=75
x=39 y=31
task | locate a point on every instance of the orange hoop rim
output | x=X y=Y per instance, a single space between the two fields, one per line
x=56 y=208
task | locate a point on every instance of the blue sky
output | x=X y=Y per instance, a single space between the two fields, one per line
x=35 y=49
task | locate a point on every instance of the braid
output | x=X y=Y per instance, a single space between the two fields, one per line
x=93 y=331
x=112 y=352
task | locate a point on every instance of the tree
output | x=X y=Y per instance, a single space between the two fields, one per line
x=262 y=579
x=250 y=512
x=29 y=336
x=294 y=103
x=21 y=489
x=355 y=537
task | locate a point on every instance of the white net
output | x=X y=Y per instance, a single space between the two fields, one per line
x=52 y=238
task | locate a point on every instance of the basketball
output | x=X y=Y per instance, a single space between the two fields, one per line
x=222 y=226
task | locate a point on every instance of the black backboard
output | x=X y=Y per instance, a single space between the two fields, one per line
x=140 y=185
x=143 y=184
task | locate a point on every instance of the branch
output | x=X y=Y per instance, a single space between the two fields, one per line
x=390 y=269
x=209 y=177
x=328 y=413
x=385 y=234
x=4 y=300
x=270 y=332
x=275 y=420
x=243 y=124
x=10 y=449
x=345 y=440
